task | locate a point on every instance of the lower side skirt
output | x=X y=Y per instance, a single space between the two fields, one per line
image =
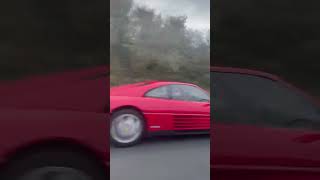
x=175 y=133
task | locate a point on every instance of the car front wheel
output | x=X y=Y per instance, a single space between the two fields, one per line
x=55 y=164
x=127 y=128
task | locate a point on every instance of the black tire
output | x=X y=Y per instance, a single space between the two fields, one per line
x=79 y=162
x=135 y=113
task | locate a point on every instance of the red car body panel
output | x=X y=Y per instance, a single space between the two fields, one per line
x=256 y=152
x=161 y=114
x=68 y=106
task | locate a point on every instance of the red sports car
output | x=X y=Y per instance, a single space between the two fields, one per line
x=157 y=107
x=263 y=128
x=55 y=126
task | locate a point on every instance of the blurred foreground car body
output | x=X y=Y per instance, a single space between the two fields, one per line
x=157 y=107
x=263 y=128
x=55 y=126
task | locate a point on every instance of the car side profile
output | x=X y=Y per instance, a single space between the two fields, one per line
x=55 y=126
x=262 y=127
x=157 y=107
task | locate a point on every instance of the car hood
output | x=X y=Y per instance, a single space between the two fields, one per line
x=85 y=90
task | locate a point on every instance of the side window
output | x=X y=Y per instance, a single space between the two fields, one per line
x=248 y=99
x=188 y=93
x=161 y=92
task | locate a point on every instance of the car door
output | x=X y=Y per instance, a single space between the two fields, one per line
x=166 y=110
x=190 y=107
x=262 y=127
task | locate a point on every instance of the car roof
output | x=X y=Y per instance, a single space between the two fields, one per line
x=140 y=88
x=245 y=71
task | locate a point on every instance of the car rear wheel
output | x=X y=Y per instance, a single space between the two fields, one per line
x=55 y=165
x=127 y=128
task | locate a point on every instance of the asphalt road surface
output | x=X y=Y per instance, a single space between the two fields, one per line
x=163 y=158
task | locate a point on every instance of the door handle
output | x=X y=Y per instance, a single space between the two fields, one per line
x=207 y=105
x=307 y=138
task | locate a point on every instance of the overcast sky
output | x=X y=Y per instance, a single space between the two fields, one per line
x=197 y=11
